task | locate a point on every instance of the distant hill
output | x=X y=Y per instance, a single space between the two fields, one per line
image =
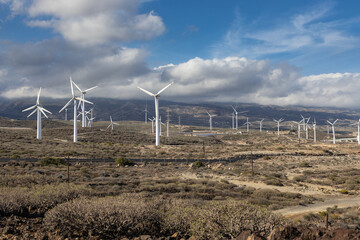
x=190 y=114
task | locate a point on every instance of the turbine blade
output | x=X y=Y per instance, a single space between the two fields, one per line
x=233 y=108
x=335 y=121
x=116 y=123
x=32 y=107
x=146 y=91
x=32 y=113
x=81 y=99
x=89 y=89
x=38 y=97
x=329 y=122
x=164 y=88
x=67 y=104
x=46 y=110
x=110 y=119
x=77 y=87
x=43 y=112
x=72 y=87
x=108 y=126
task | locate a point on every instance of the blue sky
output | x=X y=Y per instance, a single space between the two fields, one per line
x=283 y=52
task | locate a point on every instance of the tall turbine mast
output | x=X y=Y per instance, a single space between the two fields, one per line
x=210 y=119
x=156 y=99
x=333 y=129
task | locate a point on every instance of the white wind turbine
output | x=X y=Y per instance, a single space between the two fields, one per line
x=91 y=118
x=210 y=119
x=39 y=109
x=260 y=122
x=152 y=124
x=333 y=129
x=247 y=123
x=358 y=131
x=156 y=98
x=236 y=116
x=83 y=118
x=74 y=98
x=146 y=114
x=111 y=124
x=278 y=124
x=299 y=127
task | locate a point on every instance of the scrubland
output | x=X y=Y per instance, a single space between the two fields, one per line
x=114 y=185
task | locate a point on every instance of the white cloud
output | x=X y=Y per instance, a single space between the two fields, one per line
x=91 y=22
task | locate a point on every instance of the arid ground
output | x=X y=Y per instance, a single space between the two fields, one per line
x=281 y=186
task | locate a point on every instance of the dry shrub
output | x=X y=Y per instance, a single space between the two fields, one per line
x=105 y=217
x=27 y=180
x=219 y=220
x=132 y=215
x=37 y=199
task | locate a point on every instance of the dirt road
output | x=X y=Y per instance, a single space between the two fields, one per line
x=320 y=206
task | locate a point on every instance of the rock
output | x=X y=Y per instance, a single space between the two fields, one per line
x=175 y=236
x=145 y=237
x=244 y=235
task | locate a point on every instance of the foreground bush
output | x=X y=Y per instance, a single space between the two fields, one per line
x=124 y=162
x=131 y=215
x=37 y=200
x=46 y=161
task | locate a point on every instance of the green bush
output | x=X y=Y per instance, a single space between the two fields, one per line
x=46 y=161
x=198 y=164
x=124 y=162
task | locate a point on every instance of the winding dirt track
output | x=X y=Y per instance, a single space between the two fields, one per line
x=320 y=206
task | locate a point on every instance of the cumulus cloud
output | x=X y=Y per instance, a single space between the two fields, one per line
x=91 y=22
x=49 y=64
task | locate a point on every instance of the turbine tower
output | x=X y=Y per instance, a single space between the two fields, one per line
x=146 y=114
x=66 y=114
x=74 y=98
x=83 y=119
x=210 y=119
x=111 y=124
x=152 y=124
x=333 y=129
x=38 y=109
x=278 y=124
x=156 y=98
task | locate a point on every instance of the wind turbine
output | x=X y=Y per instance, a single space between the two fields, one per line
x=90 y=120
x=152 y=124
x=146 y=114
x=333 y=129
x=210 y=119
x=236 y=116
x=83 y=119
x=156 y=98
x=74 y=98
x=358 y=135
x=260 y=122
x=111 y=124
x=38 y=109
x=247 y=123
x=278 y=124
